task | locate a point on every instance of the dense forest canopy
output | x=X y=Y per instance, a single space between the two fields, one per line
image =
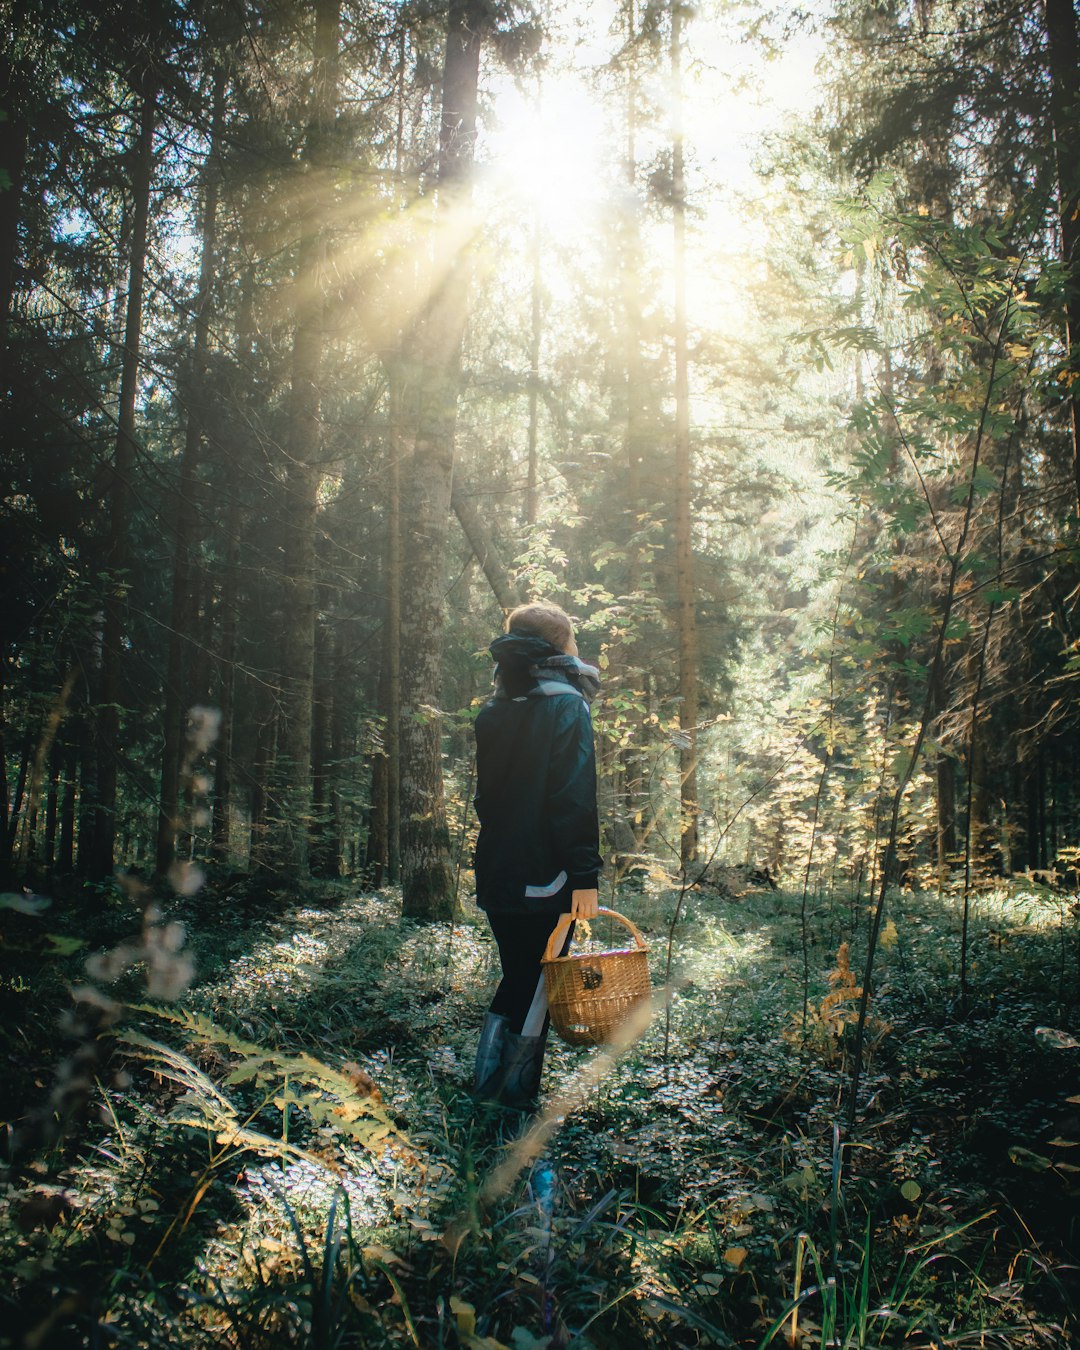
x=330 y=330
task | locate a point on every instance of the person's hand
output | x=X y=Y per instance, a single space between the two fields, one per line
x=585 y=904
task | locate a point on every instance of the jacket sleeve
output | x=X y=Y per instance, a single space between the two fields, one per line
x=571 y=794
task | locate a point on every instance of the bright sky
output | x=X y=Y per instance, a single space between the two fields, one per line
x=563 y=160
x=559 y=153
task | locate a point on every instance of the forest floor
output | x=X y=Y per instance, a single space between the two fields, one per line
x=287 y=1154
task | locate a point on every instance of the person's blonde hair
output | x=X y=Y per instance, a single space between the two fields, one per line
x=545 y=621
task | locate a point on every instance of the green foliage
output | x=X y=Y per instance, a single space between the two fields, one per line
x=328 y=1100
x=325 y=1180
x=884 y=541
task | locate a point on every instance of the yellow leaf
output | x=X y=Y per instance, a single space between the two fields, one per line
x=889 y=935
x=735 y=1256
x=465 y=1314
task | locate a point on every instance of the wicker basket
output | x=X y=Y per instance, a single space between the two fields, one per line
x=590 y=994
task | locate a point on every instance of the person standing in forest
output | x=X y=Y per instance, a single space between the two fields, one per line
x=538 y=852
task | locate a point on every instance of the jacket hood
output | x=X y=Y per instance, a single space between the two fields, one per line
x=519 y=651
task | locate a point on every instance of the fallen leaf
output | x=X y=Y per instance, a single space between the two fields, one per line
x=361 y=1080
x=465 y=1314
x=1060 y=1040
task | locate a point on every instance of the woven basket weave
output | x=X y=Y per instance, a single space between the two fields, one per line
x=590 y=994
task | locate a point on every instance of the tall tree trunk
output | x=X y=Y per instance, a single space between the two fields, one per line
x=383 y=855
x=221 y=821
x=631 y=805
x=5 y=878
x=17 y=802
x=484 y=547
x=427 y=874
x=177 y=690
x=304 y=454
x=14 y=130
x=324 y=852
x=118 y=560
x=1062 y=52
x=945 y=781
x=401 y=395
x=52 y=806
x=684 y=550
x=228 y=644
x=42 y=762
x=265 y=746
x=65 y=852
x=1037 y=812
x=945 y=774
x=342 y=720
x=536 y=332
x=88 y=759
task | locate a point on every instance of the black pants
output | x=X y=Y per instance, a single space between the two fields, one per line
x=521 y=940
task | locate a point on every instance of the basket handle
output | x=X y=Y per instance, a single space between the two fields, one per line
x=555 y=941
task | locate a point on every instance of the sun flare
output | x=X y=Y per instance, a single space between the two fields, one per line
x=545 y=154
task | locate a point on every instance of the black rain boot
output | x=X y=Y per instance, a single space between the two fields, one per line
x=486 y=1078
x=520 y=1070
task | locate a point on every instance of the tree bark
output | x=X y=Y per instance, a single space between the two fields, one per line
x=427 y=873
x=325 y=852
x=65 y=852
x=14 y=132
x=632 y=807
x=304 y=474
x=221 y=825
x=684 y=550
x=384 y=817
x=945 y=774
x=486 y=550
x=88 y=761
x=1062 y=53
x=221 y=816
x=118 y=559
x=5 y=879
x=52 y=808
x=265 y=745
x=532 y=492
x=17 y=803
x=342 y=753
x=43 y=752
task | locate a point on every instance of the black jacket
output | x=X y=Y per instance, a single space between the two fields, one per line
x=535 y=786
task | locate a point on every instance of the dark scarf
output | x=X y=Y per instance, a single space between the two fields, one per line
x=522 y=658
x=572 y=669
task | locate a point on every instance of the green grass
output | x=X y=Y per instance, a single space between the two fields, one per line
x=289 y=1155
